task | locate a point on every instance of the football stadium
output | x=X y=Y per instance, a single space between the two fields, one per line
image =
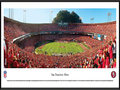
x=59 y=45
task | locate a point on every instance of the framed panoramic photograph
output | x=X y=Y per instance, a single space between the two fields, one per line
x=60 y=44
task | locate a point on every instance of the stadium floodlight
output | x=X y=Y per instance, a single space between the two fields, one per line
x=51 y=16
x=24 y=15
x=109 y=13
x=91 y=20
x=109 y=16
x=9 y=12
x=12 y=13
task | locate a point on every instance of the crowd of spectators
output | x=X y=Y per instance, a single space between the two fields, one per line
x=102 y=54
x=102 y=58
x=16 y=28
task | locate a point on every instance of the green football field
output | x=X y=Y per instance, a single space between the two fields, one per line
x=53 y=48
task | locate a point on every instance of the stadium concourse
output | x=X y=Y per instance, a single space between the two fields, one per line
x=21 y=38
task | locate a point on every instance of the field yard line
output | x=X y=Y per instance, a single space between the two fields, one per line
x=50 y=47
x=70 y=47
x=56 y=49
x=85 y=48
x=47 y=49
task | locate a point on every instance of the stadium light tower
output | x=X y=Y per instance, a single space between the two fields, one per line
x=91 y=20
x=24 y=15
x=9 y=12
x=12 y=13
x=51 y=16
x=109 y=16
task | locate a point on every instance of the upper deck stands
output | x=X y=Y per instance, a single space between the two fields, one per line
x=13 y=29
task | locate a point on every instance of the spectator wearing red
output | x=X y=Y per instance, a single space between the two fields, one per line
x=103 y=63
x=15 y=64
x=107 y=62
x=99 y=65
x=110 y=51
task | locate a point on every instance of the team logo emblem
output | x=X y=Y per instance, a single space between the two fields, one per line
x=5 y=74
x=113 y=74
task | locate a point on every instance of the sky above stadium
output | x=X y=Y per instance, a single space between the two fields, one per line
x=43 y=15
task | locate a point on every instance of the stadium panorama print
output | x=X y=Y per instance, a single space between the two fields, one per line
x=59 y=45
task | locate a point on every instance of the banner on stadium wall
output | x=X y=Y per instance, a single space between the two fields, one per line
x=105 y=36
x=99 y=37
x=94 y=37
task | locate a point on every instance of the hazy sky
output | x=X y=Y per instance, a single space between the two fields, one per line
x=39 y=15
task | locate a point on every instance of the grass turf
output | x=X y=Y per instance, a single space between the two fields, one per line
x=86 y=46
x=59 y=48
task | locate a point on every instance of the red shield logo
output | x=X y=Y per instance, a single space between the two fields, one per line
x=113 y=74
